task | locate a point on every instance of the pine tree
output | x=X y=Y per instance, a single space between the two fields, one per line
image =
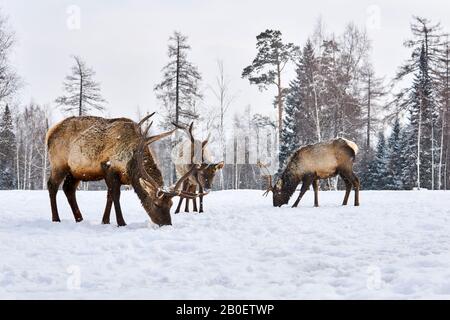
x=378 y=168
x=394 y=161
x=301 y=122
x=7 y=151
x=420 y=99
x=289 y=138
x=407 y=158
x=266 y=69
x=179 y=90
x=82 y=93
x=422 y=118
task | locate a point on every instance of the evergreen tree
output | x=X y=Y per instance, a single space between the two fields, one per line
x=377 y=178
x=302 y=106
x=422 y=118
x=420 y=99
x=289 y=139
x=179 y=90
x=82 y=93
x=7 y=151
x=407 y=158
x=266 y=69
x=394 y=160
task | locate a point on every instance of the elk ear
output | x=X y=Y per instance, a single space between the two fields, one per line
x=220 y=165
x=145 y=184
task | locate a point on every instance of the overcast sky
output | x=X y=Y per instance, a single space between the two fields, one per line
x=126 y=41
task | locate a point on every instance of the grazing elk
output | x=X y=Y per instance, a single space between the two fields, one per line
x=191 y=152
x=94 y=148
x=311 y=163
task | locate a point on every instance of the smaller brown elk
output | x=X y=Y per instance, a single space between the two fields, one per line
x=191 y=152
x=116 y=150
x=311 y=163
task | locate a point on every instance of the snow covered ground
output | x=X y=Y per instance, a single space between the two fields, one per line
x=395 y=245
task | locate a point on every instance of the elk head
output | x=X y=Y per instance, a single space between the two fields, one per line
x=206 y=174
x=156 y=199
x=279 y=197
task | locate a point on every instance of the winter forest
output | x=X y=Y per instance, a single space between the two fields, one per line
x=399 y=121
x=229 y=150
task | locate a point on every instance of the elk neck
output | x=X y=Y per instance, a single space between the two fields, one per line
x=291 y=179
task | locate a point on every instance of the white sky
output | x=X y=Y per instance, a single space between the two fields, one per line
x=126 y=41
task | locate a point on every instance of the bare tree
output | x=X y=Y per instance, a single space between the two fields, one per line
x=222 y=92
x=82 y=93
x=9 y=80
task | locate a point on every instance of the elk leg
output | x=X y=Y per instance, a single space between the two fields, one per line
x=356 y=185
x=200 y=190
x=113 y=183
x=70 y=188
x=107 y=213
x=181 y=200
x=194 y=201
x=316 y=192
x=52 y=185
x=305 y=186
x=187 y=188
x=348 y=188
x=179 y=205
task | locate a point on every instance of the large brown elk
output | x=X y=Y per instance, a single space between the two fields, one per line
x=190 y=152
x=116 y=150
x=311 y=163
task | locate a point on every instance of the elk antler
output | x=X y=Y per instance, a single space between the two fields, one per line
x=195 y=167
x=190 y=135
x=161 y=191
x=145 y=119
x=269 y=178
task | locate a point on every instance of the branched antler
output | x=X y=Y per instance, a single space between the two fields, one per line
x=269 y=177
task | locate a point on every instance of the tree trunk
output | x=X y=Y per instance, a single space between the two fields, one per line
x=80 y=101
x=177 y=85
x=441 y=151
x=18 y=166
x=316 y=105
x=280 y=104
x=369 y=93
x=419 y=132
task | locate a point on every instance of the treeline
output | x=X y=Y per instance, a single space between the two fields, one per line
x=24 y=163
x=334 y=92
x=337 y=94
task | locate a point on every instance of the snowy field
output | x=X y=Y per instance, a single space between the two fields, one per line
x=396 y=245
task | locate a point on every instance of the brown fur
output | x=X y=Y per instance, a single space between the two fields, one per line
x=94 y=148
x=311 y=163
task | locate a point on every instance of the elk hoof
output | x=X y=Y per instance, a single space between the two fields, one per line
x=105 y=222
x=56 y=220
x=123 y=224
x=78 y=219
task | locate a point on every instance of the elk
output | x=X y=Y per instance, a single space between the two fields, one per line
x=188 y=153
x=311 y=163
x=116 y=150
